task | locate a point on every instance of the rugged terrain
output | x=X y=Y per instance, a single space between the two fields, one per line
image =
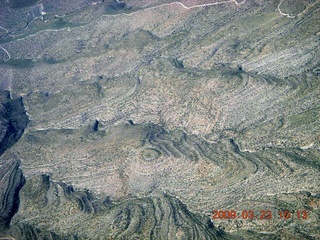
x=137 y=119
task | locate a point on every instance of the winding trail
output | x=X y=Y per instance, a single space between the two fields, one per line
x=6 y=53
x=206 y=4
x=186 y=7
x=282 y=13
x=4 y=29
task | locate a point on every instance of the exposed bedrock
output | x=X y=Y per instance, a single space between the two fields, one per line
x=133 y=102
x=13 y=120
x=11 y=181
x=159 y=216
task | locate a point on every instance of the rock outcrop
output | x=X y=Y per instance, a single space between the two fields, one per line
x=11 y=181
x=145 y=116
x=13 y=120
x=80 y=215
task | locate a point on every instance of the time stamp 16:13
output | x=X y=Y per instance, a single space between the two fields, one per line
x=262 y=214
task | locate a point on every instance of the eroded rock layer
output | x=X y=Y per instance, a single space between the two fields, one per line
x=83 y=216
x=13 y=121
x=11 y=181
x=148 y=115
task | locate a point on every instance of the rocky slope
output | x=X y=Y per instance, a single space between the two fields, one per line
x=147 y=115
x=11 y=182
x=13 y=121
x=79 y=215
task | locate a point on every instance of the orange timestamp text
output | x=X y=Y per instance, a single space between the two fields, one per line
x=262 y=214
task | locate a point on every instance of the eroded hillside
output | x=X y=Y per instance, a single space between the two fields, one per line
x=145 y=116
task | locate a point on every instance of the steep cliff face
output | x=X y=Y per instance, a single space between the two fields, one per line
x=148 y=115
x=11 y=181
x=13 y=120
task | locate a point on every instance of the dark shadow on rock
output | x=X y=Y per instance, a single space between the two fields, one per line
x=13 y=120
x=114 y=7
x=11 y=181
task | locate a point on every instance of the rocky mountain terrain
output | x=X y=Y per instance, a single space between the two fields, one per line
x=136 y=119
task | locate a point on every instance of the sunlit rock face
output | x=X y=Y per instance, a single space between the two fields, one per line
x=136 y=119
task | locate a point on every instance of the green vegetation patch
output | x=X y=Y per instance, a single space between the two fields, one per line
x=307 y=117
x=20 y=63
x=21 y=3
